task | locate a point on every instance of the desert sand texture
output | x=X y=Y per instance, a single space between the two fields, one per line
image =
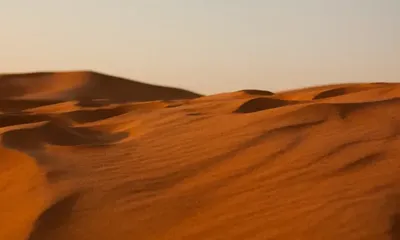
x=88 y=156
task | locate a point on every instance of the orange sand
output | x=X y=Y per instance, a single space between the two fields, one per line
x=87 y=156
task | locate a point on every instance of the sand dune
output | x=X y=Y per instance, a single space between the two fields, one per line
x=261 y=104
x=90 y=156
x=84 y=86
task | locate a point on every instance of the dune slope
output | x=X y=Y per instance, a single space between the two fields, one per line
x=161 y=163
x=83 y=86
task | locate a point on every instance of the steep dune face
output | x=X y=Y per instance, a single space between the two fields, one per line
x=316 y=163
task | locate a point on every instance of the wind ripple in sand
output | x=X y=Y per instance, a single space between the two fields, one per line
x=316 y=163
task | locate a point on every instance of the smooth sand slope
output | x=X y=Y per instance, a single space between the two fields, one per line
x=86 y=156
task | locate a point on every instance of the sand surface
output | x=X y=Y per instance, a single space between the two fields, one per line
x=87 y=156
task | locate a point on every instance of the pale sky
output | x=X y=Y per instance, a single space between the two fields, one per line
x=207 y=46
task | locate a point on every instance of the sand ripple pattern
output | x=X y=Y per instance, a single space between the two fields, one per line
x=88 y=156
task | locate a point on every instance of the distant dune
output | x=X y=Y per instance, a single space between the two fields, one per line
x=83 y=86
x=88 y=156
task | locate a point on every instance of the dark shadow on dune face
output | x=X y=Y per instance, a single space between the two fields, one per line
x=58 y=134
x=54 y=217
x=174 y=104
x=11 y=120
x=361 y=163
x=343 y=91
x=68 y=136
x=395 y=228
x=194 y=114
x=93 y=103
x=112 y=89
x=330 y=93
x=85 y=116
x=7 y=105
x=257 y=92
x=9 y=88
x=260 y=104
x=345 y=109
x=23 y=139
x=55 y=175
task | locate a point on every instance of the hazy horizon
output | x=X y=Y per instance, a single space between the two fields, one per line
x=207 y=46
